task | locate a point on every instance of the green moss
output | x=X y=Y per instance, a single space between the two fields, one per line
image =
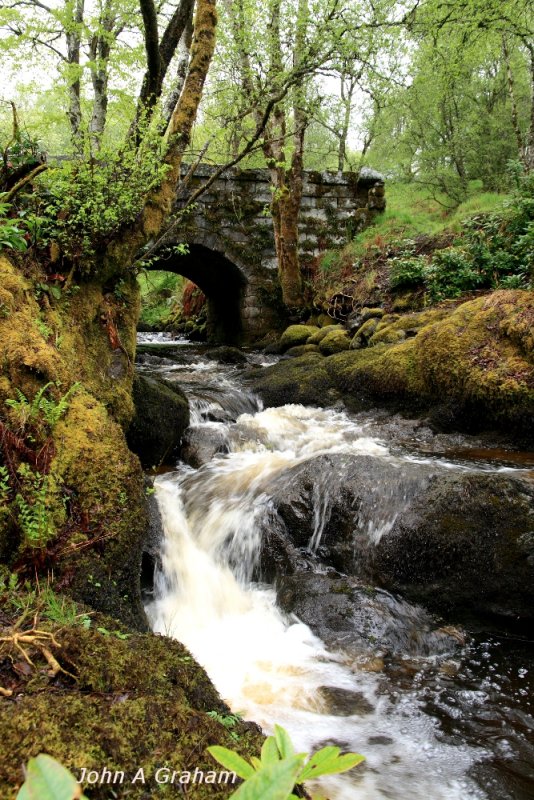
x=296 y=335
x=296 y=380
x=334 y=342
x=96 y=488
x=319 y=335
x=364 y=333
x=137 y=702
x=301 y=350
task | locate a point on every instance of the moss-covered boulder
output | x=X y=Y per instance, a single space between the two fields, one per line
x=319 y=335
x=364 y=333
x=161 y=417
x=295 y=335
x=92 y=514
x=296 y=380
x=301 y=350
x=334 y=342
x=129 y=702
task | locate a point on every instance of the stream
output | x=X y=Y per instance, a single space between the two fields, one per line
x=439 y=722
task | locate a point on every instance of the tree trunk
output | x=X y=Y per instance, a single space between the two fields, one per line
x=513 y=100
x=73 y=60
x=122 y=250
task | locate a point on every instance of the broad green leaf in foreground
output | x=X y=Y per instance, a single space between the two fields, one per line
x=273 y=782
x=327 y=761
x=232 y=761
x=47 y=779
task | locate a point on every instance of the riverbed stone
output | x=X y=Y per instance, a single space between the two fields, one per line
x=201 y=443
x=226 y=355
x=334 y=342
x=301 y=350
x=357 y=618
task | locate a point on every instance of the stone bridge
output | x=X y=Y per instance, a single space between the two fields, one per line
x=230 y=238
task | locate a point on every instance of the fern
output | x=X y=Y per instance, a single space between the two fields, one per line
x=41 y=408
x=33 y=514
x=4 y=486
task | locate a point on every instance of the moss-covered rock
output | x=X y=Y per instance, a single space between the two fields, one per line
x=161 y=417
x=363 y=334
x=334 y=342
x=296 y=380
x=372 y=313
x=124 y=685
x=471 y=365
x=301 y=350
x=319 y=335
x=295 y=335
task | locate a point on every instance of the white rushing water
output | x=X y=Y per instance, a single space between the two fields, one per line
x=267 y=666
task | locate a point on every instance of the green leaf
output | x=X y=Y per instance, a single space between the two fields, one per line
x=274 y=782
x=47 y=779
x=329 y=763
x=269 y=751
x=232 y=761
x=283 y=742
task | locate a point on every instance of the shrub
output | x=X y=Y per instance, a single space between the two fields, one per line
x=405 y=272
x=451 y=273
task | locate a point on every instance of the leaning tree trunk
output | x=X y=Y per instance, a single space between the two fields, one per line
x=122 y=250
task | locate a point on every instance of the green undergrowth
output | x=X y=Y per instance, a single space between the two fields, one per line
x=418 y=253
x=160 y=298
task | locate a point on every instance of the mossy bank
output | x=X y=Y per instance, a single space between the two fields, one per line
x=90 y=522
x=470 y=365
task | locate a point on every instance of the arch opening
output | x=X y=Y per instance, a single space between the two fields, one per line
x=221 y=281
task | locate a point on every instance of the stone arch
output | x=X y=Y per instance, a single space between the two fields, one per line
x=222 y=280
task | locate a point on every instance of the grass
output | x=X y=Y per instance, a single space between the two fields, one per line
x=411 y=212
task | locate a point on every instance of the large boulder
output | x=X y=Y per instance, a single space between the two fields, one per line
x=161 y=417
x=465 y=542
x=336 y=506
x=295 y=380
x=455 y=541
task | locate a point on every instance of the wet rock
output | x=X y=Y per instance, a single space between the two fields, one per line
x=201 y=443
x=161 y=417
x=345 y=702
x=226 y=355
x=337 y=505
x=295 y=380
x=465 y=543
x=351 y=616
